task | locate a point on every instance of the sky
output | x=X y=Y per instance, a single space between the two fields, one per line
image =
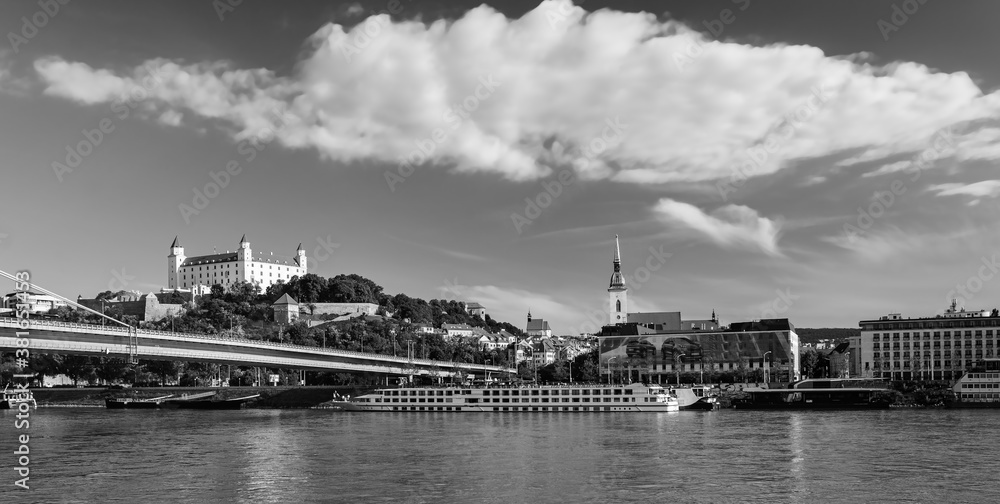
x=824 y=161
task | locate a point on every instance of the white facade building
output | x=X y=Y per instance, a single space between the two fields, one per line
x=942 y=347
x=185 y=272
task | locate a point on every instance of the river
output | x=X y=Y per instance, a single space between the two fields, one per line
x=264 y=456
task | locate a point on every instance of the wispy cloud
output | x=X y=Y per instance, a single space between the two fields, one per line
x=730 y=226
x=982 y=189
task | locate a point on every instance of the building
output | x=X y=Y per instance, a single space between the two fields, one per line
x=244 y=265
x=537 y=328
x=457 y=330
x=743 y=346
x=286 y=309
x=144 y=307
x=941 y=347
x=617 y=291
x=543 y=352
x=657 y=321
x=340 y=308
x=660 y=344
x=32 y=301
x=477 y=309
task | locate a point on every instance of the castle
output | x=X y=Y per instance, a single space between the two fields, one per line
x=244 y=265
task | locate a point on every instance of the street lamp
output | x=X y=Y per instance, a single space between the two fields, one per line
x=677 y=369
x=764 y=359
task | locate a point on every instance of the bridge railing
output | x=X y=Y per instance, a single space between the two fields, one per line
x=229 y=339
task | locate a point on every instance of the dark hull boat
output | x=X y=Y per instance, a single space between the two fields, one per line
x=817 y=394
x=133 y=403
x=225 y=404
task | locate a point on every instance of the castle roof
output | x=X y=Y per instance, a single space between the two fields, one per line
x=206 y=259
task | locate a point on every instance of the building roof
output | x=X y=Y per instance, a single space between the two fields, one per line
x=176 y=243
x=473 y=305
x=538 y=325
x=285 y=299
x=208 y=259
x=456 y=327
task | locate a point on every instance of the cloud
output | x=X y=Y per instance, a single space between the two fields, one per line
x=985 y=188
x=383 y=89
x=730 y=226
x=510 y=304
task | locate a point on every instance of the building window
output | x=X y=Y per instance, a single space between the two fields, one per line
x=618 y=305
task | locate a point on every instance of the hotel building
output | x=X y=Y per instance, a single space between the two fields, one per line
x=942 y=347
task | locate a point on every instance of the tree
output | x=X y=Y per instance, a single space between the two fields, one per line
x=110 y=369
x=810 y=362
x=162 y=369
x=78 y=367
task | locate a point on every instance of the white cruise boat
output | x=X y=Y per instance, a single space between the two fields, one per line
x=11 y=398
x=571 y=398
x=980 y=387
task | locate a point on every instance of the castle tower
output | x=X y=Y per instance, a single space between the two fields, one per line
x=174 y=261
x=244 y=261
x=617 y=292
x=300 y=254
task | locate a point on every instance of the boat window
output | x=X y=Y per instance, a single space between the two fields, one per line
x=534 y=392
x=565 y=392
x=618 y=391
x=545 y=392
x=628 y=391
x=576 y=392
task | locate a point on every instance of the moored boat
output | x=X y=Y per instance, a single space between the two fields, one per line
x=980 y=387
x=695 y=398
x=550 y=398
x=818 y=393
x=12 y=398
x=135 y=403
x=224 y=404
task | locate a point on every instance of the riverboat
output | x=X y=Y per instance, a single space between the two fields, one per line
x=11 y=398
x=695 y=398
x=818 y=393
x=549 y=398
x=980 y=387
x=223 y=404
x=135 y=403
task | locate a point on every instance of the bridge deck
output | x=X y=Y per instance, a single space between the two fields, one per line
x=87 y=339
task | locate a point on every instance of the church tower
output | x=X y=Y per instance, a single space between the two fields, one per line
x=617 y=292
x=174 y=261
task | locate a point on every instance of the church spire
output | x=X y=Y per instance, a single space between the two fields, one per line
x=617 y=281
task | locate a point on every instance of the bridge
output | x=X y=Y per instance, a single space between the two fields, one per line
x=131 y=343
x=46 y=336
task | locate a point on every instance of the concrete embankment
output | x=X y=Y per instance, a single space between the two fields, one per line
x=270 y=397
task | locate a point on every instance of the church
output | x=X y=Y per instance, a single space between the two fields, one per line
x=244 y=265
x=656 y=321
x=659 y=345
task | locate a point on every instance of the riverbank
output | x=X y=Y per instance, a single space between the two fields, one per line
x=270 y=397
